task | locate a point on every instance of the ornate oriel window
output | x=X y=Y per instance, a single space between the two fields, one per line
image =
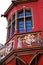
x=21 y=20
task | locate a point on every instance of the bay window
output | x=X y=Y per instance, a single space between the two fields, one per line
x=21 y=19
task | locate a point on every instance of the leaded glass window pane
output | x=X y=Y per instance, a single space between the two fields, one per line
x=28 y=25
x=28 y=12
x=20 y=14
x=21 y=26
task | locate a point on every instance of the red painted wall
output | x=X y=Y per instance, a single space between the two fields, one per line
x=12 y=62
x=37 y=16
x=40 y=62
x=37 y=11
x=27 y=58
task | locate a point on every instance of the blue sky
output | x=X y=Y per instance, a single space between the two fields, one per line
x=4 y=4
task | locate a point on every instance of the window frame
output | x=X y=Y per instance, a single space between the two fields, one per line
x=24 y=17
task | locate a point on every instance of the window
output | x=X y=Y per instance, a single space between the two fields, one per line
x=27 y=12
x=28 y=25
x=24 y=15
x=20 y=14
x=21 y=19
x=21 y=25
x=11 y=26
x=8 y=32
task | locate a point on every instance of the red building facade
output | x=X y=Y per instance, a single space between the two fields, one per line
x=24 y=44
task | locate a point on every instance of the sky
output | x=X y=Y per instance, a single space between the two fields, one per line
x=4 y=4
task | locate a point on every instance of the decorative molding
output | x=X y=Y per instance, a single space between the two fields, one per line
x=14 y=3
x=20 y=34
x=36 y=55
x=22 y=52
x=22 y=60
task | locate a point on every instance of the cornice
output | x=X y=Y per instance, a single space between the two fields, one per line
x=14 y=3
